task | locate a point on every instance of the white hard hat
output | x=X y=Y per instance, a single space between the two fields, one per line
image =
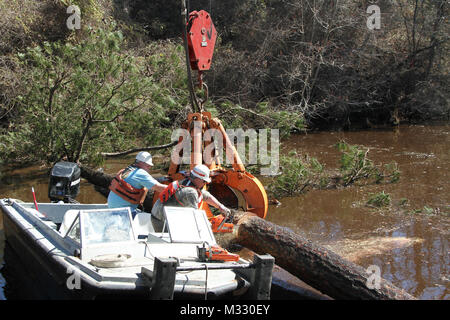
x=201 y=171
x=145 y=157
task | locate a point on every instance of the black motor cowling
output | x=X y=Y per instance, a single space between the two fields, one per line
x=64 y=182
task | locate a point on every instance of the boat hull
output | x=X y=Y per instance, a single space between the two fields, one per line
x=33 y=272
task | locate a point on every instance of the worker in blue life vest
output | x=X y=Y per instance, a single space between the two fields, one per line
x=130 y=186
x=186 y=193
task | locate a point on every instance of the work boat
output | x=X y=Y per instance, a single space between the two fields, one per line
x=89 y=251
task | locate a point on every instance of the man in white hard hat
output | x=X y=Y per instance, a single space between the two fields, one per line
x=130 y=186
x=186 y=193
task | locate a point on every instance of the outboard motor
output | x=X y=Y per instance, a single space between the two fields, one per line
x=64 y=182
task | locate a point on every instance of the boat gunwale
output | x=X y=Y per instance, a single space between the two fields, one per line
x=87 y=272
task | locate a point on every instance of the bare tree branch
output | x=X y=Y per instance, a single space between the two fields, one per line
x=123 y=153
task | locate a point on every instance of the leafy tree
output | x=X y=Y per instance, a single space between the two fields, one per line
x=77 y=96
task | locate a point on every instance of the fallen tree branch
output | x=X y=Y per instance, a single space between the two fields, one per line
x=123 y=153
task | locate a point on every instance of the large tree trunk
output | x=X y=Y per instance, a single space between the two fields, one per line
x=96 y=177
x=313 y=264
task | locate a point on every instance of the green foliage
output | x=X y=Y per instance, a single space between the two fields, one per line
x=430 y=211
x=392 y=172
x=302 y=173
x=298 y=174
x=92 y=11
x=86 y=6
x=282 y=119
x=262 y=116
x=355 y=165
x=228 y=113
x=166 y=65
x=77 y=95
x=379 y=200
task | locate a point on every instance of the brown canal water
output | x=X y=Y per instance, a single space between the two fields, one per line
x=411 y=248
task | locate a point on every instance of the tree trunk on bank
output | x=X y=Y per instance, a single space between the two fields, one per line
x=313 y=264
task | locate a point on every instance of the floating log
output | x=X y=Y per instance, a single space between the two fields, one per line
x=317 y=266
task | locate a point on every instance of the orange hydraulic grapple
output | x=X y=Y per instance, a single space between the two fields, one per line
x=235 y=188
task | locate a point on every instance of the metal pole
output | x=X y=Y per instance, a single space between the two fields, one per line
x=262 y=282
x=163 y=280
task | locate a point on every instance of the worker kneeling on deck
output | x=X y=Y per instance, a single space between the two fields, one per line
x=186 y=193
x=130 y=186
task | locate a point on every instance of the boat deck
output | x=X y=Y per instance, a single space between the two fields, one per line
x=127 y=264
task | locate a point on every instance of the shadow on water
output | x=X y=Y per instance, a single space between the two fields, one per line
x=410 y=247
